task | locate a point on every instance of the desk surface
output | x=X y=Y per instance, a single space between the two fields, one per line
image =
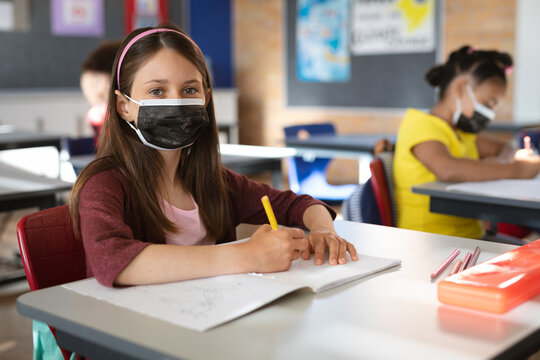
x=509 y=127
x=17 y=184
x=243 y=164
x=393 y=314
x=26 y=139
x=347 y=142
x=522 y=211
x=247 y=160
x=438 y=189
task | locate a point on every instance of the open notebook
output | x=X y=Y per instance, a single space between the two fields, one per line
x=205 y=303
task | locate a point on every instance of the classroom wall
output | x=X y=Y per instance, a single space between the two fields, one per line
x=60 y=112
x=484 y=24
x=259 y=57
x=527 y=68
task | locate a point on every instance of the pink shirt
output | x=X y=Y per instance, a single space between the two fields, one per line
x=191 y=229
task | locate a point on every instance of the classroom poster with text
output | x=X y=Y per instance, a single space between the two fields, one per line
x=392 y=26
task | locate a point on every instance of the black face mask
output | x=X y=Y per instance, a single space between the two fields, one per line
x=170 y=124
x=473 y=124
x=478 y=121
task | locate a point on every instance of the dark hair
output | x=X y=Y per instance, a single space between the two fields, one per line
x=101 y=59
x=483 y=65
x=199 y=168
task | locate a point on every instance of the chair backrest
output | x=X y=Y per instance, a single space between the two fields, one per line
x=362 y=206
x=383 y=188
x=79 y=146
x=50 y=252
x=300 y=168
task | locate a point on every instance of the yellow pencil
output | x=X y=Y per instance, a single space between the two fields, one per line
x=269 y=212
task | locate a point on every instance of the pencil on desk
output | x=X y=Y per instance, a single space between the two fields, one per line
x=527 y=142
x=474 y=257
x=445 y=263
x=269 y=212
x=455 y=269
x=465 y=262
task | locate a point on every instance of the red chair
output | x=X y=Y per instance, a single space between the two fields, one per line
x=50 y=252
x=382 y=183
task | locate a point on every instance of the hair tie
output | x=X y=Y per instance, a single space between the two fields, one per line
x=471 y=49
x=140 y=36
x=508 y=70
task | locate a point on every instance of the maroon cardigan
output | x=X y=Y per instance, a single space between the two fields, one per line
x=106 y=219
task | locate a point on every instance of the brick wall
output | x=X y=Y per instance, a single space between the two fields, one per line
x=489 y=24
x=259 y=56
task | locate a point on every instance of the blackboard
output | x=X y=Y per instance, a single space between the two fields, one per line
x=376 y=81
x=40 y=60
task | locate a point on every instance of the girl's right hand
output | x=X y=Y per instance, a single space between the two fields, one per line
x=274 y=250
x=528 y=168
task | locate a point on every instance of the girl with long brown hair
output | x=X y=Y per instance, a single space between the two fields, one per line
x=154 y=203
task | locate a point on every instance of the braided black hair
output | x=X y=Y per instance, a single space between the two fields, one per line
x=485 y=64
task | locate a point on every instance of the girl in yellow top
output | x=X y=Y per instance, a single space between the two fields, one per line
x=443 y=144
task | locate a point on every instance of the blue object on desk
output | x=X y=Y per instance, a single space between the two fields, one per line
x=79 y=146
x=308 y=176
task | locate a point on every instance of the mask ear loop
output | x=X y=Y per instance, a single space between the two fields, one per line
x=130 y=99
x=136 y=102
x=457 y=113
x=481 y=108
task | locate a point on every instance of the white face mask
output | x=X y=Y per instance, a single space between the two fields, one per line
x=169 y=124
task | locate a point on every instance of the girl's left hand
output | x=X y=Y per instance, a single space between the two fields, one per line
x=338 y=247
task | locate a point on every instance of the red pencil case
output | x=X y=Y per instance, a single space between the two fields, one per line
x=496 y=285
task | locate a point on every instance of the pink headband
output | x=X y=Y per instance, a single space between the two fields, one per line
x=140 y=36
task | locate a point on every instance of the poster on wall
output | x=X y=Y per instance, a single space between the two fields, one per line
x=392 y=26
x=7 y=16
x=144 y=13
x=77 y=18
x=322 y=41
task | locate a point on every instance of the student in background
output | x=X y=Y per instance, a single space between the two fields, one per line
x=95 y=81
x=154 y=203
x=444 y=144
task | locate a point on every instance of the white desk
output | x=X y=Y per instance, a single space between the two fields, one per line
x=21 y=189
x=523 y=211
x=393 y=315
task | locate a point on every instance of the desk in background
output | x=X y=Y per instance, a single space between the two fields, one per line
x=521 y=211
x=15 y=139
x=508 y=131
x=10 y=140
x=349 y=146
x=394 y=314
x=243 y=159
x=18 y=190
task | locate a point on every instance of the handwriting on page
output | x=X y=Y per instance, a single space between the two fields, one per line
x=204 y=303
x=196 y=301
x=196 y=304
